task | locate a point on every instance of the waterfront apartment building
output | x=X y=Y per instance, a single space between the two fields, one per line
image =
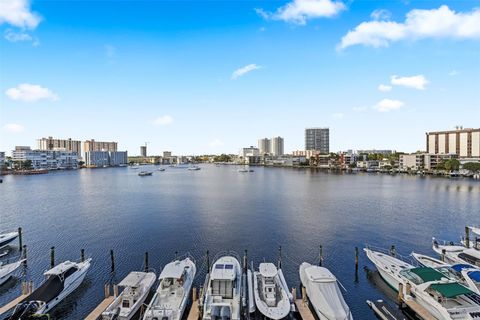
x=465 y=143
x=305 y=153
x=105 y=158
x=317 y=139
x=419 y=161
x=143 y=151
x=167 y=154
x=264 y=146
x=46 y=159
x=276 y=146
x=92 y=145
x=57 y=144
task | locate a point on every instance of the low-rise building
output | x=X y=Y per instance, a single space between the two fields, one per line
x=44 y=159
x=2 y=160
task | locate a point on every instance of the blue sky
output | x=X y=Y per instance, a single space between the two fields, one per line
x=201 y=77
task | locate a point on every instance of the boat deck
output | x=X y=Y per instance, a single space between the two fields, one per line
x=95 y=314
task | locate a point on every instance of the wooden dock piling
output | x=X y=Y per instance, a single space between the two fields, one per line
x=82 y=255
x=146 y=261
x=24 y=254
x=393 y=251
x=52 y=257
x=467 y=237
x=112 y=260
x=356 y=258
x=321 y=256
x=279 y=257
x=20 y=240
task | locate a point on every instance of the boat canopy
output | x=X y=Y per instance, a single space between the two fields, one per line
x=475 y=230
x=427 y=274
x=268 y=270
x=474 y=275
x=317 y=274
x=450 y=290
x=133 y=279
x=223 y=272
x=61 y=268
x=174 y=270
x=460 y=266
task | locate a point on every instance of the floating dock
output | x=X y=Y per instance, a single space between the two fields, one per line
x=405 y=299
x=302 y=305
x=27 y=288
x=194 y=313
x=97 y=312
x=384 y=311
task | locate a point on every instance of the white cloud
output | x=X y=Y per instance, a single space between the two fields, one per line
x=163 y=120
x=386 y=105
x=384 y=88
x=299 y=11
x=453 y=73
x=17 y=13
x=418 y=24
x=27 y=92
x=338 y=115
x=360 y=109
x=244 y=70
x=381 y=14
x=216 y=143
x=416 y=82
x=13 y=128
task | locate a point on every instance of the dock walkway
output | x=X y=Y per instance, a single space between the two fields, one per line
x=95 y=314
x=27 y=288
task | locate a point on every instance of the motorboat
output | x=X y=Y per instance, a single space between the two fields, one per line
x=145 y=173
x=324 y=293
x=172 y=295
x=223 y=291
x=454 y=254
x=388 y=266
x=441 y=296
x=161 y=169
x=60 y=281
x=7 y=270
x=7 y=238
x=465 y=273
x=194 y=168
x=136 y=286
x=271 y=292
x=243 y=170
x=385 y=311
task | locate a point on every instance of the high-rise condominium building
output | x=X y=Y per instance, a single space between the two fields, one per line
x=92 y=145
x=264 y=146
x=276 y=146
x=143 y=151
x=317 y=139
x=465 y=143
x=58 y=144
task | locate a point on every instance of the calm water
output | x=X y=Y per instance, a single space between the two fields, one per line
x=218 y=209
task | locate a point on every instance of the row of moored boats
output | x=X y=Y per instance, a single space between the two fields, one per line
x=447 y=287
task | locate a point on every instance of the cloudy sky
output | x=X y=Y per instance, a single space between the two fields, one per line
x=200 y=77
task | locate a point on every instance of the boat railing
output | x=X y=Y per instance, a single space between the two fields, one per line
x=393 y=252
x=439 y=242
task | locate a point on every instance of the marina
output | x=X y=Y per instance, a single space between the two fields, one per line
x=242 y=226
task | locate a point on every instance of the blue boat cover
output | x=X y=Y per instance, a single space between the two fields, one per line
x=459 y=267
x=474 y=275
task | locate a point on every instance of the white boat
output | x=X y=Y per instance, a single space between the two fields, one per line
x=6 y=238
x=388 y=267
x=161 y=169
x=441 y=297
x=7 y=270
x=193 y=168
x=60 y=281
x=242 y=170
x=223 y=293
x=145 y=173
x=173 y=292
x=454 y=254
x=136 y=287
x=324 y=293
x=465 y=273
x=271 y=293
